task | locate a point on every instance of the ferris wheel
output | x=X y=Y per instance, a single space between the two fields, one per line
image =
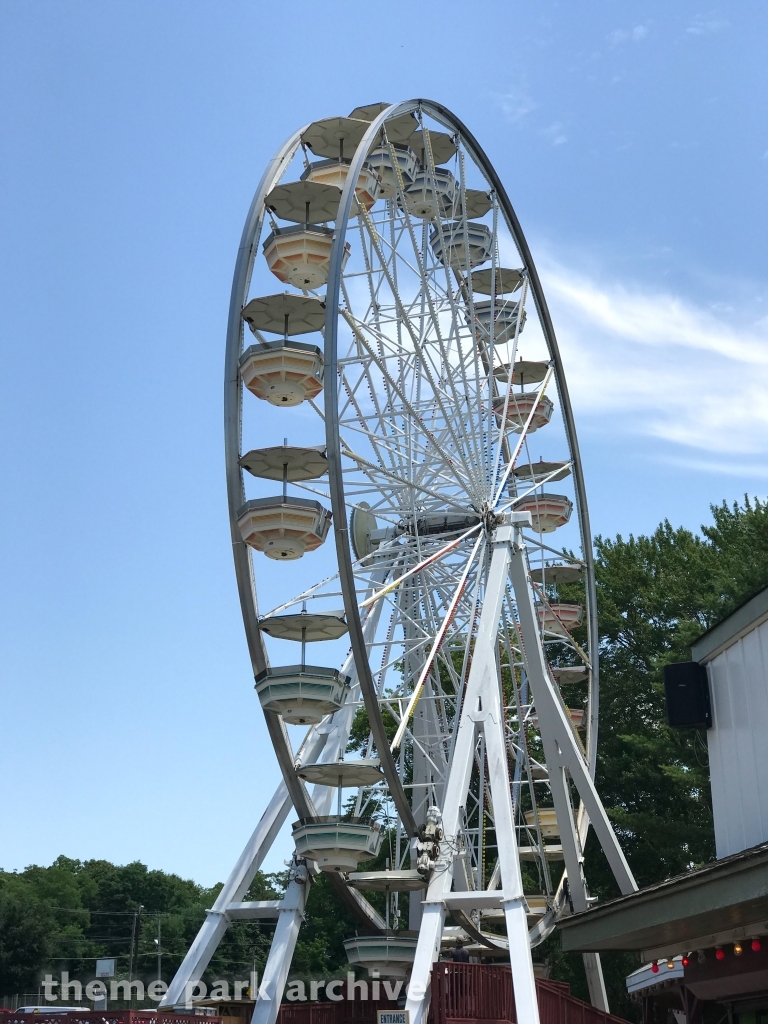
x=399 y=435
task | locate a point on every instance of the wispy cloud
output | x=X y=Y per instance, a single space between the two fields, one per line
x=554 y=133
x=724 y=467
x=622 y=35
x=646 y=362
x=515 y=105
x=706 y=24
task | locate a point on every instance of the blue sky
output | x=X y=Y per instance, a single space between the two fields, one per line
x=633 y=141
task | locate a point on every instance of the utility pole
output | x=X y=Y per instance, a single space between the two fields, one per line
x=159 y=951
x=135 y=932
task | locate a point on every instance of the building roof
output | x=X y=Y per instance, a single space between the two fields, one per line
x=743 y=619
x=691 y=911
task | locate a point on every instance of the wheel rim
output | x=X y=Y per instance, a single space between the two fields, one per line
x=440 y=456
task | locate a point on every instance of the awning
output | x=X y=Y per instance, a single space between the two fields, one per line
x=723 y=901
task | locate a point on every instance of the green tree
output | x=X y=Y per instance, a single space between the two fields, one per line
x=655 y=596
x=25 y=930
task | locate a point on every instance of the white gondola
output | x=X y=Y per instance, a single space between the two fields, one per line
x=551 y=851
x=477 y=203
x=335 y=844
x=389 y=955
x=334 y=172
x=519 y=409
x=505 y=317
x=499 y=281
x=560 y=616
x=466 y=245
x=441 y=145
x=365 y=771
x=524 y=372
x=537 y=472
x=404 y=880
x=306 y=627
x=537 y=907
x=399 y=129
x=304 y=202
x=286 y=463
x=380 y=160
x=283 y=372
x=335 y=137
x=302 y=694
x=300 y=255
x=432 y=194
x=285 y=314
x=283 y=528
x=548 y=511
x=537 y=904
x=570 y=674
x=576 y=715
x=547 y=822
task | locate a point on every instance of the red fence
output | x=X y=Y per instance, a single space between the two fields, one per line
x=464 y=992
x=347 y=1011
x=108 y=1017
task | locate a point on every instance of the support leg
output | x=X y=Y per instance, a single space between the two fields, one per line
x=561 y=753
x=283 y=946
x=481 y=709
x=557 y=732
x=594 y=971
x=216 y=921
x=514 y=905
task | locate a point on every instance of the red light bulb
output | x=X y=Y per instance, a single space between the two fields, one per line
x=720 y=953
x=686 y=961
x=756 y=947
x=655 y=968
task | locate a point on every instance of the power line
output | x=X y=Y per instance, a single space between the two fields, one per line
x=130 y=913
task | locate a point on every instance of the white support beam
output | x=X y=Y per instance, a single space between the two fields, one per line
x=216 y=922
x=560 y=745
x=595 y=981
x=283 y=945
x=261 y=910
x=562 y=754
x=473 y=900
x=481 y=710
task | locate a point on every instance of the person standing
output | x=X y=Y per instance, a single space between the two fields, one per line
x=459 y=955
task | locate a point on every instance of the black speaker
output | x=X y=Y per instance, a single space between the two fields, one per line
x=687 y=691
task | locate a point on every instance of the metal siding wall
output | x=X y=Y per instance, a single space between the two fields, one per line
x=755 y=648
x=718 y=762
x=738 y=752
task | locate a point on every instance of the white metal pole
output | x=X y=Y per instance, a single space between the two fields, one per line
x=283 y=945
x=561 y=749
x=561 y=752
x=481 y=703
